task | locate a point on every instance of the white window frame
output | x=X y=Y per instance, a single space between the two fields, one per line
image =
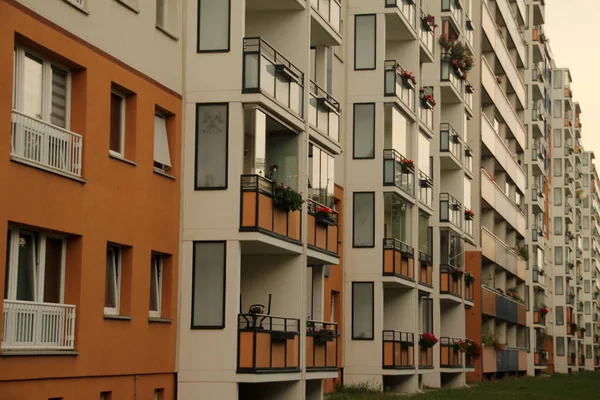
x=39 y=266
x=159 y=260
x=118 y=259
x=164 y=23
x=120 y=154
x=162 y=167
x=20 y=53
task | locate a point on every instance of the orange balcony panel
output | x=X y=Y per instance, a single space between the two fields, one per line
x=522 y=316
x=488 y=303
x=449 y=284
x=470 y=292
x=425 y=357
x=398 y=350
x=490 y=363
x=397 y=264
x=450 y=357
x=425 y=274
x=321 y=354
x=522 y=360
x=322 y=237
x=535 y=35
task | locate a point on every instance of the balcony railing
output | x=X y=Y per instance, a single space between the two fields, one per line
x=449 y=282
x=267 y=343
x=540 y=358
x=451 y=210
x=321 y=346
x=398 y=259
x=468 y=161
x=497 y=251
x=323 y=229
x=426 y=268
x=450 y=74
x=469 y=94
x=398 y=350
x=41 y=143
x=469 y=291
x=425 y=189
x=396 y=84
x=538 y=275
x=450 y=356
x=425 y=108
x=450 y=141
x=331 y=11
x=37 y=326
x=454 y=7
x=324 y=112
x=407 y=9
x=427 y=34
x=397 y=171
x=267 y=71
x=260 y=214
x=539 y=317
x=425 y=356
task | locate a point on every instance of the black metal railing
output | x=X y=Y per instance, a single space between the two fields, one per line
x=451 y=210
x=398 y=171
x=450 y=356
x=321 y=346
x=324 y=111
x=398 y=350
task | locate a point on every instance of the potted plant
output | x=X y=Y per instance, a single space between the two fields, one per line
x=469 y=214
x=285 y=198
x=469 y=278
x=472 y=349
x=428 y=22
x=573 y=326
x=427 y=340
x=407 y=165
x=325 y=216
x=409 y=79
x=544 y=310
x=457 y=273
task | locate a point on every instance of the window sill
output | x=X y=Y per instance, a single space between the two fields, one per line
x=156 y=320
x=159 y=171
x=20 y=353
x=118 y=317
x=119 y=158
x=167 y=33
x=126 y=4
x=43 y=168
x=77 y=7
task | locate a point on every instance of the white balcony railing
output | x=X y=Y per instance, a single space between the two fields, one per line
x=47 y=145
x=37 y=326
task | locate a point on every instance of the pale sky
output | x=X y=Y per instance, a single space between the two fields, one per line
x=572 y=26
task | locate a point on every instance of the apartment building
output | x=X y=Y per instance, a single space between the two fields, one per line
x=261 y=314
x=91 y=136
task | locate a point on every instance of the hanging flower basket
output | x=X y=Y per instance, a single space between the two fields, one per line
x=469 y=215
x=409 y=80
x=428 y=340
x=544 y=310
x=427 y=100
x=457 y=273
x=325 y=216
x=428 y=23
x=407 y=165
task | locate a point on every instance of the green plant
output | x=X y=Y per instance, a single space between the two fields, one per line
x=524 y=253
x=286 y=198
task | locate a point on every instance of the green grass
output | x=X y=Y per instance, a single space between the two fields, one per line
x=580 y=386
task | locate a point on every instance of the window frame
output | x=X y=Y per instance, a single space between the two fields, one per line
x=118 y=259
x=165 y=7
x=157 y=165
x=122 y=120
x=356 y=17
x=159 y=258
x=354 y=337
x=194 y=326
x=226 y=50
x=196 y=147
x=354 y=245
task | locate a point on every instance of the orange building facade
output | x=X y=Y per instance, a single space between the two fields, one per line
x=89 y=219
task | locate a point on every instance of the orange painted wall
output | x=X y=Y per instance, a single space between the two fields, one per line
x=473 y=315
x=335 y=282
x=121 y=203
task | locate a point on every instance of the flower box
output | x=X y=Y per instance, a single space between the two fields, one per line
x=408 y=80
x=428 y=23
x=324 y=336
x=428 y=340
x=407 y=165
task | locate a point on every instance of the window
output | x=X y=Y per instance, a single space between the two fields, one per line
x=588 y=347
x=208 y=285
x=213 y=25
x=117 y=123
x=527 y=297
x=557 y=108
x=363 y=219
x=557 y=225
x=166 y=15
x=365 y=42
x=586 y=158
x=159 y=394
x=558 y=285
x=586 y=286
x=427 y=325
x=557 y=167
x=558 y=255
x=558 y=196
x=364 y=131
x=528 y=339
x=588 y=329
x=588 y=308
x=112 y=290
x=560 y=346
x=558 y=80
x=35 y=267
x=41 y=88
x=212 y=137
x=560 y=316
x=586 y=222
x=586 y=180
x=586 y=265
x=586 y=243
x=321 y=176
x=362 y=310
x=162 y=155
x=557 y=138
x=156 y=275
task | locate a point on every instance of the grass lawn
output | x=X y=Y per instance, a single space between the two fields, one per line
x=583 y=385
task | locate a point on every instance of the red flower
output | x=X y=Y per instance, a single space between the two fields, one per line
x=326 y=210
x=544 y=310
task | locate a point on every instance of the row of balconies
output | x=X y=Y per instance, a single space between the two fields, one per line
x=500 y=306
x=399 y=352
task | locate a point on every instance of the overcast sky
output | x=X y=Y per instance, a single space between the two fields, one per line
x=571 y=26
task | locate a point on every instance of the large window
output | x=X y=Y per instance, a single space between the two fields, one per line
x=558 y=255
x=35 y=265
x=427 y=323
x=557 y=225
x=558 y=80
x=558 y=283
x=363 y=219
x=208 y=285
x=365 y=41
x=162 y=154
x=586 y=286
x=423 y=159
x=362 y=310
x=557 y=108
x=321 y=177
x=364 y=130
x=557 y=166
x=560 y=315
x=117 y=123
x=156 y=279
x=212 y=136
x=213 y=25
x=558 y=196
x=560 y=346
x=588 y=308
x=557 y=138
x=112 y=288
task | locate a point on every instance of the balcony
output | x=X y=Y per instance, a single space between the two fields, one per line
x=326 y=22
x=539 y=11
x=468 y=222
x=537 y=199
x=321 y=346
x=571 y=359
x=425 y=357
x=538 y=78
x=398 y=350
x=425 y=189
x=497 y=251
x=451 y=145
x=451 y=281
x=267 y=72
x=268 y=344
x=454 y=8
x=540 y=358
x=538 y=157
x=469 y=291
x=260 y=214
x=398 y=171
x=537 y=120
x=406 y=23
x=324 y=112
x=37 y=326
x=398 y=83
x=539 y=318
x=426 y=108
x=468 y=160
x=502 y=204
x=450 y=357
x=539 y=276
x=469 y=95
x=425 y=269
x=451 y=210
x=427 y=36
x=453 y=92
x=322 y=229
x=46 y=146
x=398 y=259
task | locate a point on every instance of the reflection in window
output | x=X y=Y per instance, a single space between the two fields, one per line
x=321 y=177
